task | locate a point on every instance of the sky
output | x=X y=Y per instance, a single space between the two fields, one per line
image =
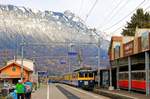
x=104 y=15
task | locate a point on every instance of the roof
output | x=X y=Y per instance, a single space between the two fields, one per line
x=83 y=68
x=26 y=62
x=25 y=67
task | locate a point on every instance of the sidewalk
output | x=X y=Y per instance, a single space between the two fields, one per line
x=121 y=94
x=41 y=93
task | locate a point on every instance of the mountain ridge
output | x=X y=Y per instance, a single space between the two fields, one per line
x=19 y=23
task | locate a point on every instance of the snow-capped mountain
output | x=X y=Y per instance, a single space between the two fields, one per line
x=17 y=23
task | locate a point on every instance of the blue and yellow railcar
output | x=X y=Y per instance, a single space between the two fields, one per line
x=86 y=79
x=81 y=78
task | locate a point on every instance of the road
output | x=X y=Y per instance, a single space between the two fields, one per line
x=61 y=91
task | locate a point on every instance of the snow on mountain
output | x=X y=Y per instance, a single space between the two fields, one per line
x=35 y=26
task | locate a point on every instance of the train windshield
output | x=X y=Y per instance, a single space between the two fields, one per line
x=86 y=74
x=81 y=74
x=90 y=74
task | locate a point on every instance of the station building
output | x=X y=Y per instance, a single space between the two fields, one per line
x=130 y=61
x=11 y=73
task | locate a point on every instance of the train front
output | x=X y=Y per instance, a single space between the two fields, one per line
x=86 y=79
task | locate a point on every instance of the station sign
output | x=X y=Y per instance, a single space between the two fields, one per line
x=72 y=53
x=42 y=73
x=128 y=48
x=63 y=62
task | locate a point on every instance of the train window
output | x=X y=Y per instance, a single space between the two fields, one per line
x=81 y=74
x=86 y=74
x=90 y=74
x=74 y=75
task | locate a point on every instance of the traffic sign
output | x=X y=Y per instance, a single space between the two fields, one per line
x=62 y=62
x=72 y=53
x=42 y=73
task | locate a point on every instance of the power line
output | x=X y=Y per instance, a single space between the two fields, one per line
x=147 y=8
x=124 y=17
x=113 y=13
x=117 y=5
x=91 y=10
x=124 y=25
x=81 y=6
x=117 y=29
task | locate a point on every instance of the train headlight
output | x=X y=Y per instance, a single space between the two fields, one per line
x=85 y=82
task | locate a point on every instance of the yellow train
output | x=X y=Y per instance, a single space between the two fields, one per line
x=83 y=78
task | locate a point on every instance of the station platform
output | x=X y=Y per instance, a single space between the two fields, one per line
x=62 y=91
x=121 y=94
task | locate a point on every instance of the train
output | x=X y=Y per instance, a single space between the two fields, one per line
x=86 y=78
x=82 y=78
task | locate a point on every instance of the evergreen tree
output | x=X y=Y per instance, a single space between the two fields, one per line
x=140 y=20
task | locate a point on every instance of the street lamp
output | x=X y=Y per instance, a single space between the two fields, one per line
x=99 y=61
x=70 y=52
x=33 y=59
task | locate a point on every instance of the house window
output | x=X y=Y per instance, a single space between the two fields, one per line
x=14 y=68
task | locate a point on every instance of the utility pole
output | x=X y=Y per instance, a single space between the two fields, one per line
x=98 y=68
x=22 y=56
x=98 y=65
x=5 y=55
x=80 y=60
x=16 y=48
x=68 y=57
x=33 y=59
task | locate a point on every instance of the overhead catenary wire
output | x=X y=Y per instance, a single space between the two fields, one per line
x=112 y=11
x=124 y=16
x=147 y=8
x=113 y=15
x=81 y=6
x=124 y=25
x=90 y=11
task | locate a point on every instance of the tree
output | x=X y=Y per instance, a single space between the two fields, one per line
x=140 y=20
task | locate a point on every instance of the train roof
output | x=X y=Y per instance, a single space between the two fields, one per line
x=83 y=69
x=86 y=71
